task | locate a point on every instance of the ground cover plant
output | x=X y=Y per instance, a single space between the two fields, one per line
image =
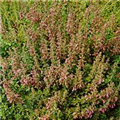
x=60 y=60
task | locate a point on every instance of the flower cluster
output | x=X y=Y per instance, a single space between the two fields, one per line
x=11 y=96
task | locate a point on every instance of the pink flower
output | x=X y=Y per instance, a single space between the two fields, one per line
x=102 y=110
x=5 y=86
x=107 y=95
x=116 y=98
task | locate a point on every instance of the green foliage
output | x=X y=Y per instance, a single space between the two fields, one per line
x=4 y=47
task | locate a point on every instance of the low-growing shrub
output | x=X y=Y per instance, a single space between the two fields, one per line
x=66 y=66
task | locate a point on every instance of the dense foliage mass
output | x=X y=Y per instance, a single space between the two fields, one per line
x=60 y=60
